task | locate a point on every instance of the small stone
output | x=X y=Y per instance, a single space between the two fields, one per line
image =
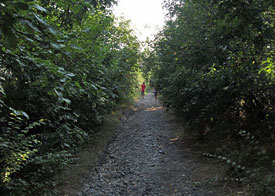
x=161 y=151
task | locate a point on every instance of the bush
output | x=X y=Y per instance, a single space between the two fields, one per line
x=61 y=75
x=214 y=64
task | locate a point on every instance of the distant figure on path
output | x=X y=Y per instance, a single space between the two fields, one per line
x=143 y=86
x=155 y=93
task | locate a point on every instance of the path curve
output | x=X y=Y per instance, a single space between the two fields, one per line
x=142 y=160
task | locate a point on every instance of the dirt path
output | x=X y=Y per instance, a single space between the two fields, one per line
x=145 y=159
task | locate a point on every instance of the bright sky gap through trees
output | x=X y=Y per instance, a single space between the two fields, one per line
x=147 y=17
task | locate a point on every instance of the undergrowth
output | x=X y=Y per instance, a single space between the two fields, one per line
x=248 y=163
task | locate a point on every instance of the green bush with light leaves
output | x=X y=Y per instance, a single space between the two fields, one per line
x=214 y=64
x=65 y=65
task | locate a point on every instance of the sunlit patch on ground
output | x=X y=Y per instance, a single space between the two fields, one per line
x=153 y=109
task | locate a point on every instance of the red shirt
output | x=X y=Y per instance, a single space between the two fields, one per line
x=143 y=87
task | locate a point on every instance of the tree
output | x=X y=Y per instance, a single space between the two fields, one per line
x=215 y=69
x=65 y=65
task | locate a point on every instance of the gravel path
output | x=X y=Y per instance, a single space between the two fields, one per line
x=143 y=160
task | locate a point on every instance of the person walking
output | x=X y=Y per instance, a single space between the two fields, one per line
x=143 y=86
x=155 y=93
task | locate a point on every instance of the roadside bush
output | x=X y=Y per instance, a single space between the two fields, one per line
x=214 y=64
x=65 y=65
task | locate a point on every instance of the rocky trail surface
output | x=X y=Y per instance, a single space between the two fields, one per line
x=146 y=158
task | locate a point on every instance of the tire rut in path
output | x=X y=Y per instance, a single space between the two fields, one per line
x=141 y=161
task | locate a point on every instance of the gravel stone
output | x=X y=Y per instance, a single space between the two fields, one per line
x=141 y=161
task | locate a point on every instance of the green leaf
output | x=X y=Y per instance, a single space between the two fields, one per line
x=56 y=45
x=19 y=112
x=40 y=8
x=25 y=131
x=59 y=94
x=25 y=114
x=75 y=47
x=66 y=100
x=67 y=145
x=40 y=20
x=4 y=145
x=70 y=74
x=31 y=25
x=77 y=85
x=54 y=31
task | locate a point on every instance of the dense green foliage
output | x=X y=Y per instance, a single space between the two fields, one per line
x=64 y=65
x=214 y=65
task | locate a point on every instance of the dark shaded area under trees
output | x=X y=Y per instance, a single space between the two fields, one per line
x=214 y=66
x=65 y=65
